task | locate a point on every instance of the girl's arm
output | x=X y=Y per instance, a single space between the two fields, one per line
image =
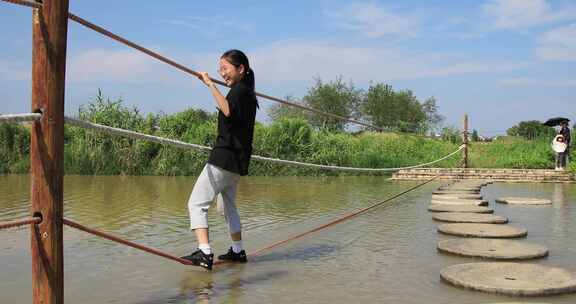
x=220 y=99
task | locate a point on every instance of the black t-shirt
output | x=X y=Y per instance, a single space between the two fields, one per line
x=233 y=146
x=566 y=133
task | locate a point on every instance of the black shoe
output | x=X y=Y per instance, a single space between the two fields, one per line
x=233 y=256
x=201 y=259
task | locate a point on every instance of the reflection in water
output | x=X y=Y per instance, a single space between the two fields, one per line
x=559 y=203
x=387 y=255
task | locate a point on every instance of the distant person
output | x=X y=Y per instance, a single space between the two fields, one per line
x=564 y=138
x=229 y=159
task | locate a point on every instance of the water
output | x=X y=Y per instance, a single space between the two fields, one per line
x=385 y=256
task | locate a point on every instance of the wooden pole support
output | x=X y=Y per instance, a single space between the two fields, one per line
x=49 y=34
x=465 y=141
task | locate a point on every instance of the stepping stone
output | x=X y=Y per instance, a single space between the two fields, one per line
x=482 y=230
x=456 y=196
x=456 y=217
x=515 y=279
x=523 y=201
x=460 y=202
x=519 y=303
x=459 y=208
x=449 y=192
x=493 y=249
x=460 y=188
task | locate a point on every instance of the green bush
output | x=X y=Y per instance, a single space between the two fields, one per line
x=88 y=152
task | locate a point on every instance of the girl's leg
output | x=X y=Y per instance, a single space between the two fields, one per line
x=209 y=183
x=230 y=212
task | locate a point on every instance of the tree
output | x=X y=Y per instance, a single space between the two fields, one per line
x=451 y=134
x=334 y=97
x=475 y=136
x=433 y=117
x=531 y=129
x=281 y=111
x=395 y=110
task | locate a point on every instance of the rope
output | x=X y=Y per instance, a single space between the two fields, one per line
x=185 y=69
x=15 y=118
x=21 y=222
x=125 y=242
x=183 y=145
x=258 y=252
x=133 y=135
x=334 y=222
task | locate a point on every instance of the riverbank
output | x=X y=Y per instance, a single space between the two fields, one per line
x=88 y=153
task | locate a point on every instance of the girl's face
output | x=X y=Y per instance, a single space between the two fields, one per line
x=229 y=72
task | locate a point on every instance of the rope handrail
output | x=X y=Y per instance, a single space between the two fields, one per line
x=20 y=222
x=15 y=118
x=184 y=145
x=156 y=252
x=185 y=69
x=334 y=222
x=116 y=239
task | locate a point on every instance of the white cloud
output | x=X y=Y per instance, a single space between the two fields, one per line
x=302 y=60
x=533 y=82
x=109 y=65
x=129 y=66
x=558 y=44
x=373 y=21
x=519 y=14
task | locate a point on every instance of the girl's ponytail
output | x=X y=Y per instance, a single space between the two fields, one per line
x=238 y=58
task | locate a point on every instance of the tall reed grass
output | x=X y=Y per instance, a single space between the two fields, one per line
x=91 y=153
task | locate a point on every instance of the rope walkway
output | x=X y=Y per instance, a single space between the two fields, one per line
x=27 y=117
x=336 y=221
x=184 y=145
x=124 y=242
x=15 y=118
x=185 y=69
x=21 y=222
x=159 y=253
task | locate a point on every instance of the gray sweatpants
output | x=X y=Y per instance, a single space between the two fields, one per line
x=211 y=182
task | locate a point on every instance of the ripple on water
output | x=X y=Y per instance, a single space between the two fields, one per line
x=386 y=255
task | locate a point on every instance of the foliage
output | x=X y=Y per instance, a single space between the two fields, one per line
x=291 y=138
x=531 y=129
x=280 y=111
x=335 y=97
x=393 y=110
x=474 y=136
x=513 y=152
x=451 y=134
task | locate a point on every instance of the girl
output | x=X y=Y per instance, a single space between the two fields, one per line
x=229 y=159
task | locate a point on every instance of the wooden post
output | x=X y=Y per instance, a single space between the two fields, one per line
x=465 y=141
x=49 y=34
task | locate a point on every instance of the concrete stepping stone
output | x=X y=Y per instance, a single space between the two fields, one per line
x=460 y=202
x=459 y=208
x=482 y=230
x=493 y=249
x=456 y=196
x=523 y=201
x=519 y=303
x=442 y=192
x=457 y=217
x=460 y=188
x=515 y=279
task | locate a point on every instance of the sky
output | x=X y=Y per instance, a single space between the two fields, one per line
x=499 y=61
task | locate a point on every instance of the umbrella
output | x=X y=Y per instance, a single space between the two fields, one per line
x=552 y=122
